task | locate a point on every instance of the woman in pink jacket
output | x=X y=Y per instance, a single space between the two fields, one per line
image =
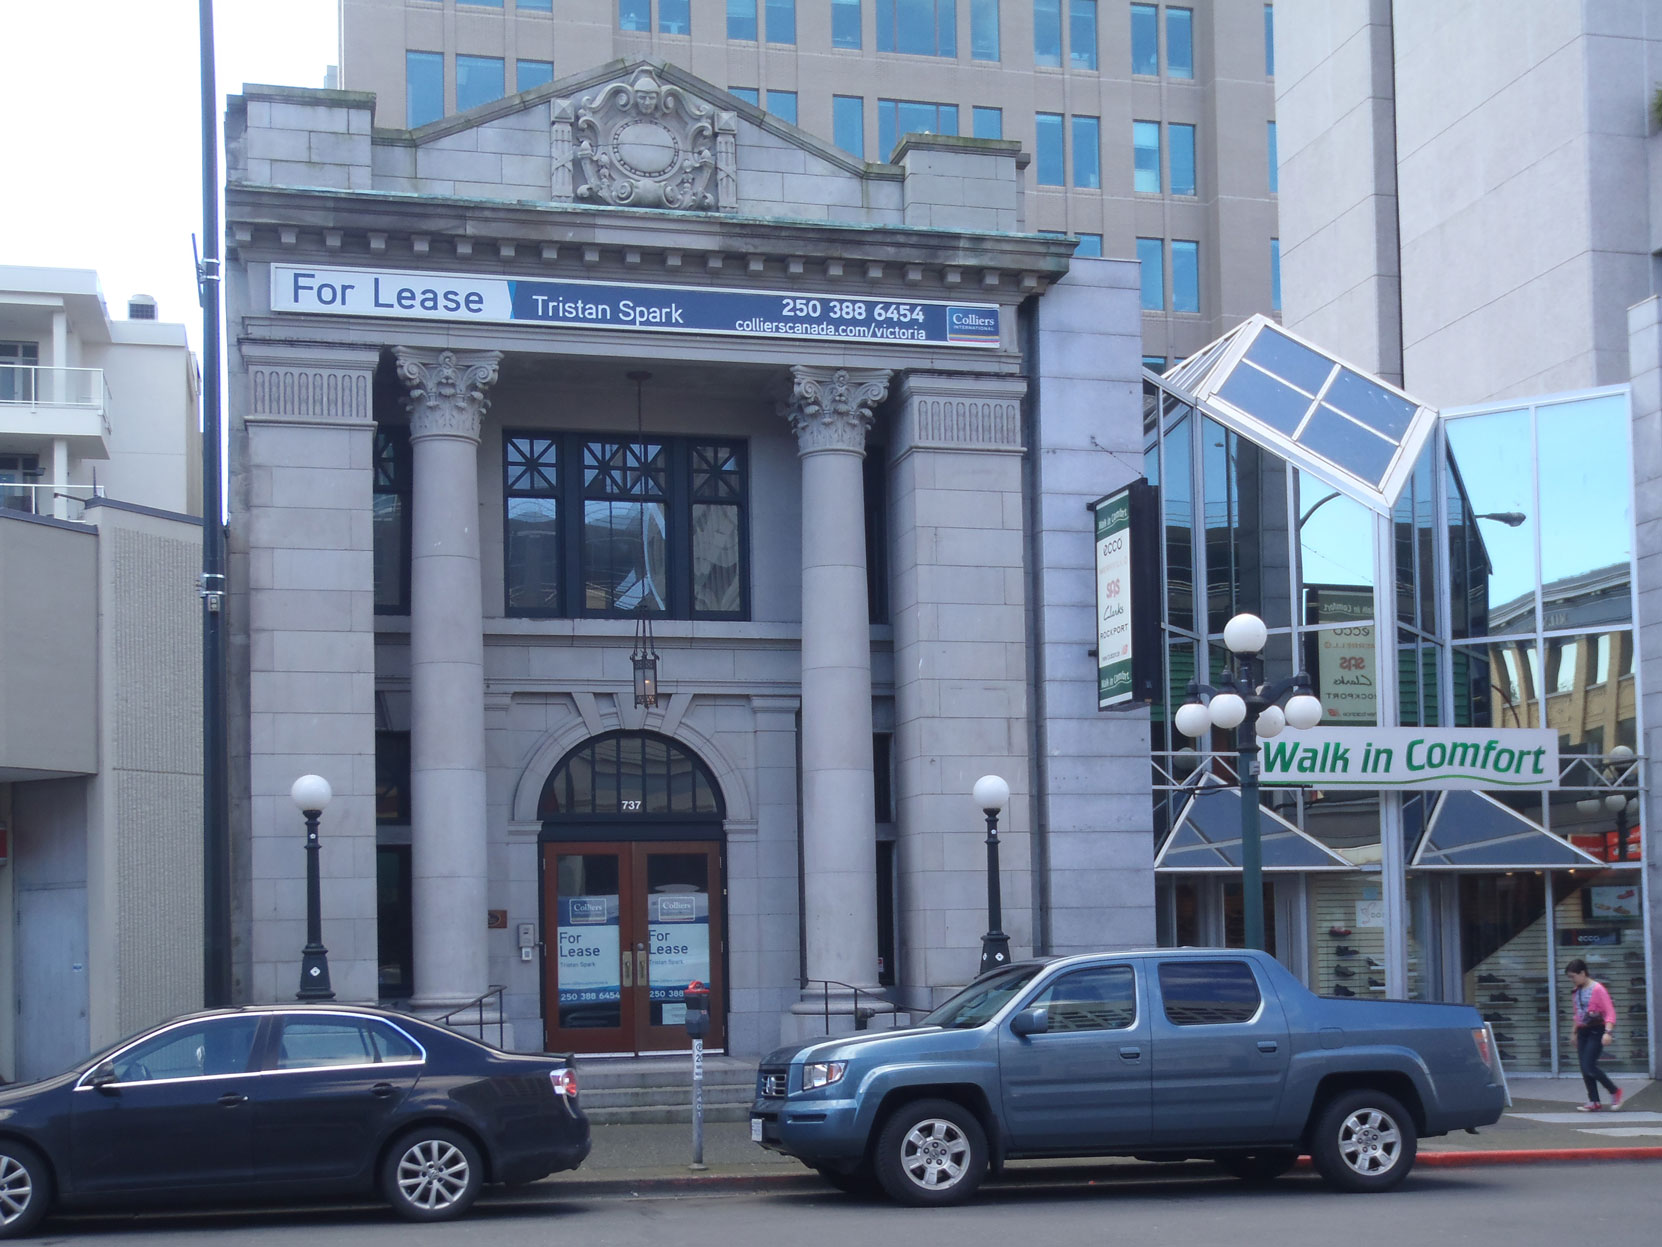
x=1595 y=1023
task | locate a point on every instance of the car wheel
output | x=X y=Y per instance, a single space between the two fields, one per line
x=25 y=1189
x=1364 y=1141
x=432 y=1174
x=1258 y=1167
x=931 y=1152
x=860 y=1182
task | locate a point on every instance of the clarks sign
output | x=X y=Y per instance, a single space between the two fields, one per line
x=1412 y=757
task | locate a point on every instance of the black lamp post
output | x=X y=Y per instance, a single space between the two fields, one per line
x=991 y=794
x=1252 y=708
x=311 y=793
x=1618 y=773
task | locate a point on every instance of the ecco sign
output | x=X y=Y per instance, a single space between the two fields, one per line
x=1412 y=757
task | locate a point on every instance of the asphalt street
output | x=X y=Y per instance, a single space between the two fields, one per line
x=1612 y=1203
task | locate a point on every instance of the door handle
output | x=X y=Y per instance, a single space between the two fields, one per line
x=233 y=1098
x=1131 y=1054
x=643 y=968
x=382 y=1090
x=626 y=968
x=1266 y=1046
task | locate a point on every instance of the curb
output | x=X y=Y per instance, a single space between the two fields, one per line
x=1457 y=1160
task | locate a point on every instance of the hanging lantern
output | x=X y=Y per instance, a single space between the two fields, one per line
x=645 y=660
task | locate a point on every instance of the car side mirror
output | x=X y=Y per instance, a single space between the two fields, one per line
x=1034 y=1021
x=103 y=1075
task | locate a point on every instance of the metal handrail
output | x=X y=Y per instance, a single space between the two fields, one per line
x=495 y=989
x=861 y=1016
x=30 y=493
x=48 y=386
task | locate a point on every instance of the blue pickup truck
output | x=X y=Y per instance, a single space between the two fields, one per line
x=1164 y=1054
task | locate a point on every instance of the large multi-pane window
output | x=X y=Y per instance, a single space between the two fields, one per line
x=1275 y=177
x=987 y=123
x=782 y=104
x=750 y=95
x=529 y=74
x=984 y=30
x=781 y=20
x=920 y=27
x=1047 y=32
x=634 y=15
x=1145 y=39
x=848 y=124
x=741 y=19
x=897 y=117
x=1151 y=255
x=1049 y=156
x=1269 y=40
x=1185 y=276
x=1182 y=158
x=423 y=87
x=391 y=540
x=539 y=6
x=1180 y=43
x=1082 y=34
x=479 y=80
x=1089 y=245
x=845 y=24
x=1145 y=156
x=610 y=526
x=1087 y=152
x=675 y=17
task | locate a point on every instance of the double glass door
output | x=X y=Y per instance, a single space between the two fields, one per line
x=627 y=926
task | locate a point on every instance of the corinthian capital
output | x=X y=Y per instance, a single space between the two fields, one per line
x=447 y=390
x=831 y=408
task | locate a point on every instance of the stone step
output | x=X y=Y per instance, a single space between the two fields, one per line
x=662 y=1114
x=648 y=1097
x=597 y=1074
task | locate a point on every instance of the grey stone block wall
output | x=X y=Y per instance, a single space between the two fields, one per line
x=1093 y=796
x=1644 y=322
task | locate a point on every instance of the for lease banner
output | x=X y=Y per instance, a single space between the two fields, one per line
x=852 y=315
x=1412 y=757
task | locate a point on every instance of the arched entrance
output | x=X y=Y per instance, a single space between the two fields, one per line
x=632 y=889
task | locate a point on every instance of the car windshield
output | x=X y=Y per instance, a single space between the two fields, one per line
x=981 y=999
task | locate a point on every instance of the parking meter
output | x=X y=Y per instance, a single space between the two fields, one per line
x=697 y=999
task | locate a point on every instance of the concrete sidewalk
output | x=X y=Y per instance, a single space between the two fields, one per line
x=1541 y=1125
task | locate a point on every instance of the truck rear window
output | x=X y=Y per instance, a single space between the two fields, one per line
x=1207 y=993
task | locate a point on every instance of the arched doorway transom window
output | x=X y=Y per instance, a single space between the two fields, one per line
x=630 y=774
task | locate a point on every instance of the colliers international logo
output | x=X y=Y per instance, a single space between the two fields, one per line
x=972 y=324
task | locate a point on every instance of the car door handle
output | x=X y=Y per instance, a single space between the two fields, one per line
x=382 y=1090
x=233 y=1098
x=1266 y=1046
x=1131 y=1054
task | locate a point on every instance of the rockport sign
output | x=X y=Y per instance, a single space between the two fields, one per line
x=843 y=317
x=1412 y=757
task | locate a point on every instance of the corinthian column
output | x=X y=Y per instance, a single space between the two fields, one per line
x=447 y=674
x=830 y=411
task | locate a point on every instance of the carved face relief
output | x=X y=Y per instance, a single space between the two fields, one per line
x=640 y=144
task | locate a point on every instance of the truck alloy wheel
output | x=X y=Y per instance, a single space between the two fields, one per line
x=931 y=1152
x=1364 y=1141
x=25 y=1189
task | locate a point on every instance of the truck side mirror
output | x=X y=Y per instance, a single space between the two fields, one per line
x=697 y=999
x=1034 y=1021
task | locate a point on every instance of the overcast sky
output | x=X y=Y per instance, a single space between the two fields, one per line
x=103 y=102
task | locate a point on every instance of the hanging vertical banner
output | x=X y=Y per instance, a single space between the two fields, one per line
x=1127 y=597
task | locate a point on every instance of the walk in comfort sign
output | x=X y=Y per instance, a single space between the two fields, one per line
x=1412 y=757
x=319 y=290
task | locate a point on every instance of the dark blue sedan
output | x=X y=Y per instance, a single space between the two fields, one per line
x=293 y=1102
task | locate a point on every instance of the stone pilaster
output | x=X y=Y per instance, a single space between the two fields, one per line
x=960 y=617
x=830 y=411
x=302 y=607
x=447 y=401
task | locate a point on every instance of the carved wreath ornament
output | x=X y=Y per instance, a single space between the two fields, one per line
x=645 y=145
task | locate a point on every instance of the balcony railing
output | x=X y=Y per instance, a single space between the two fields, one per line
x=40 y=498
x=35 y=386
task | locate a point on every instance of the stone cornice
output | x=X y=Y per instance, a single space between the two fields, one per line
x=710 y=249
x=831 y=408
x=446 y=390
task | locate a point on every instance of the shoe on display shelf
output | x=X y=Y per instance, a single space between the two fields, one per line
x=1346 y=951
x=1502 y=1037
x=1497 y=1017
x=1374 y=963
x=1338 y=933
x=1490 y=979
x=1344 y=972
x=1342 y=990
x=1373 y=982
x=1501 y=998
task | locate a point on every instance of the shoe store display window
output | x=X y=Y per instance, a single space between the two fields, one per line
x=1505 y=963
x=1347 y=936
x=1598 y=918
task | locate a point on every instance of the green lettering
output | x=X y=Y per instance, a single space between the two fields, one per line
x=1408 y=758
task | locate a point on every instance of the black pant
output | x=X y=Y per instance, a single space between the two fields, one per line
x=1589 y=1046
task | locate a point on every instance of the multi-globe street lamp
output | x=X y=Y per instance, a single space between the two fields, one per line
x=1617 y=771
x=1246 y=704
x=311 y=793
x=991 y=794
